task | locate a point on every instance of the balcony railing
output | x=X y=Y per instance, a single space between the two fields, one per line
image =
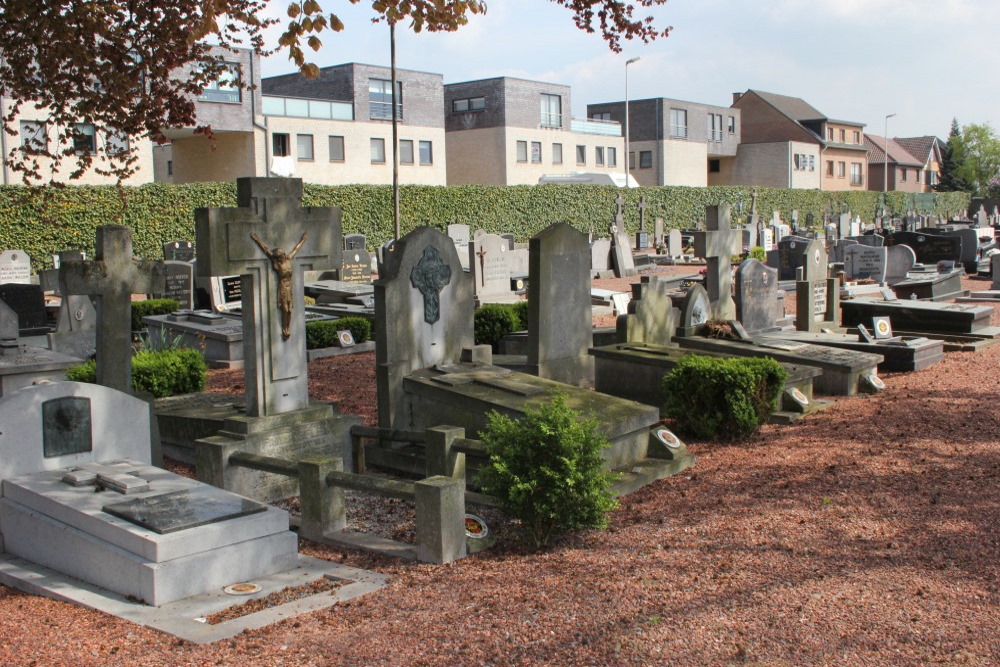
x=610 y=128
x=298 y=107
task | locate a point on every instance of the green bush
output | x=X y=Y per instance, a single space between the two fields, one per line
x=716 y=398
x=158 y=372
x=493 y=321
x=546 y=470
x=757 y=253
x=521 y=310
x=324 y=332
x=141 y=309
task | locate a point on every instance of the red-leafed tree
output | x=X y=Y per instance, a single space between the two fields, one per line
x=131 y=68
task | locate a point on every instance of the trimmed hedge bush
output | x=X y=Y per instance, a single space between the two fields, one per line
x=141 y=309
x=324 y=332
x=493 y=321
x=521 y=310
x=546 y=469
x=715 y=398
x=159 y=372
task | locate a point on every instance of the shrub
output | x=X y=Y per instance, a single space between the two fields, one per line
x=521 y=310
x=758 y=253
x=141 y=309
x=493 y=321
x=546 y=470
x=717 y=398
x=324 y=332
x=158 y=372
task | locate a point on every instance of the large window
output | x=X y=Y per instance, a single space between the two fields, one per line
x=406 y=151
x=426 y=152
x=829 y=167
x=714 y=127
x=856 y=176
x=601 y=115
x=857 y=137
x=612 y=156
x=522 y=151
x=304 y=147
x=84 y=138
x=581 y=155
x=902 y=172
x=279 y=145
x=599 y=156
x=556 y=153
x=336 y=149
x=679 y=123
x=378 y=150
x=841 y=169
x=551 y=110
x=645 y=159
x=468 y=104
x=536 y=152
x=225 y=88
x=380 y=99
x=33 y=136
x=732 y=125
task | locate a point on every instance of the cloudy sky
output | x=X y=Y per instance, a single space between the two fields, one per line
x=924 y=60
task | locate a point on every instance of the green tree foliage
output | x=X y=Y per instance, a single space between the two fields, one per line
x=546 y=470
x=951 y=159
x=979 y=164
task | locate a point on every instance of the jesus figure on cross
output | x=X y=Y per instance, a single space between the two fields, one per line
x=281 y=262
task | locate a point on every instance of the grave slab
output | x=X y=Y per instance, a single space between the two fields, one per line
x=919 y=316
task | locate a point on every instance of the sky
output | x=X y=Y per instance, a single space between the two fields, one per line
x=927 y=61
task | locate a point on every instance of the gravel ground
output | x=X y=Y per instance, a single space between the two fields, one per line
x=863 y=535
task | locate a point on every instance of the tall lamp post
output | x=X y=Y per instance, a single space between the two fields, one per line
x=627 y=172
x=885 y=165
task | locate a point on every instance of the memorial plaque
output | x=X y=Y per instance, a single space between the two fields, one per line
x=227 y=293
x=66 y=426
x=819 y=301
x=15 y=267
x=600 y=255
x=489 y=259
x=178 y=251
x=180 y=510
x=356 y=267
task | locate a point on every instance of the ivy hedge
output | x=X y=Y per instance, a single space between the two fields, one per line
x=45 y=220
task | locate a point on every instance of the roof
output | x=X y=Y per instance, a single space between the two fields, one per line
x=794 y=107
x=918 y=147
x=897 y=154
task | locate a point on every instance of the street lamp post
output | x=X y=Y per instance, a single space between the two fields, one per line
x=627 y=63
x=885 y=164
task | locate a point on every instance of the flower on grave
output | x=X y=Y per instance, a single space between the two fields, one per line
x=703 y=272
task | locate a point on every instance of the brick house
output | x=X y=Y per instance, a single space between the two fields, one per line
x=904 y=170
x=927 y=151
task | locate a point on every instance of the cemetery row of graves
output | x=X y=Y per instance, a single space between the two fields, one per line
x=84 y=498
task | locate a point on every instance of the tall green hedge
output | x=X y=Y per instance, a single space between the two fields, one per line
x=44 y=220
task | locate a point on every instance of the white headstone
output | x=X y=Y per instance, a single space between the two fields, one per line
x=15 y=267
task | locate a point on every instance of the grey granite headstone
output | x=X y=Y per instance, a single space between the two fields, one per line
x=757 y=296
x=844 y=226
x=865 y=262
x=179 y=283
x=899 y=262
x=870 y=239
x=600 y=255
x=995 y=270
x=489 y=261
x=716 y=245
x=15 y=267
x=653 y=318
x=696 y=310
x=621 y=253
x=461 y=236
x=658 y=231
x=675 y=243
x=815 y=261
x=559 y=312
x=838 y=249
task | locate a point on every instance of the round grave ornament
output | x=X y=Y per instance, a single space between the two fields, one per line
x=920 y=239
x=475 y=527
x=345 y=338
x=799 y=396
x=876 y=381
x=882 y=327
x=244 y=588
x=667 y=437
x=816 y=255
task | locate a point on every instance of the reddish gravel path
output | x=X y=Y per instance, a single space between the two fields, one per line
x=864 y=535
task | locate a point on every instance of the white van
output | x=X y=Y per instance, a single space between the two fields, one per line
x=590 y=178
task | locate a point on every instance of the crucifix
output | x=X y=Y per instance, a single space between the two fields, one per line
x=642 y=213
x=428 y=276
x=248 y=241
x=110 y=281
x=481 y=254
x=716 y=246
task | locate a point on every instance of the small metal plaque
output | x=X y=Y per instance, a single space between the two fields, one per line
x=180 y=510
x=66 y=426
x=883 y=329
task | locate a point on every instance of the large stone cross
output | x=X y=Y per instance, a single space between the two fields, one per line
x=619 y=213
x=289 y=239
x=642 y=213
x=111 y=280
x=716 y=246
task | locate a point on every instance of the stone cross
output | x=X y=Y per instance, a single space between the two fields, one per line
x=642 y=213
x=111 y=280
x=430 y=275
x=270 y=208
x=619 y=213
x=716 y=246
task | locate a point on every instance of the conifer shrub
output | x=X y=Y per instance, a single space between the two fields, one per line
x=546 y=470
x=159 y=372
x=727 y=399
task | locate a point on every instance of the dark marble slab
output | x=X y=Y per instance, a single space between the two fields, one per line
x=180 y=510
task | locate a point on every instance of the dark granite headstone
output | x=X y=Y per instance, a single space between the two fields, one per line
x=510 y=240
x=791 y=250
x=178 y=251
x=356 y=267
x=66 y=426
x=179 y=283
x=179 y=510
x=929 y=248
x=28 y=302
x=354 y=242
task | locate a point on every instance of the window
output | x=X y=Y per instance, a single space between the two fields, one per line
x=581 y=155
x=556 y=153
x=856 y=178
x=170 y=167
x=930 y=178
x=843 y=136
x=631 y=159
x=612 y=156
x=829 y=168
x=522 y=151
x=304 y=147
x=378 y=150
x=33 y=136
x=336 y=149
x=536 y=152
x=115 y=143
x=225 y=88
x=857 y=137
x=551 y=110
x=601 y=115
x=380 y=100
x=468 y=104
x=732 y=125
x=279 y=145
x=714 y=166
x=84 y=138
x=829 y=134
x=812 y=163
x=406 y=151
x=678 y=123
x=715 y=127
x=804 y=162
x=841 y=169
x=645 y=159
x=426 y=152
x=599 y=156
x=903 y=177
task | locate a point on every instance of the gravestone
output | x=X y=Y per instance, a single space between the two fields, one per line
x=838 y=249
x=489 y=260
x=560 y=330
x=791 y=255
x=642 y=236
x=355 y=267
x=844 y=226
x=995 y=270
x=358 y=241
x=652 y=317
x=226 y=293
x=621 y=253
x=696 y=311
x=658 y=231
x=178 y=251
x=600 y=255
x=900 y=260
x=865 y=262
x=675 y=244
x=716 y=245
x=969 y=254
x=929 y=248
x=179 y=283
x=21 y=365
x=817 y=296
x=28 y=303
x=757 y=296
x=510 y=240
x=870 y=239
x=767 y=239
x=15 y=267
x=111 y=280
x=461 y=236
